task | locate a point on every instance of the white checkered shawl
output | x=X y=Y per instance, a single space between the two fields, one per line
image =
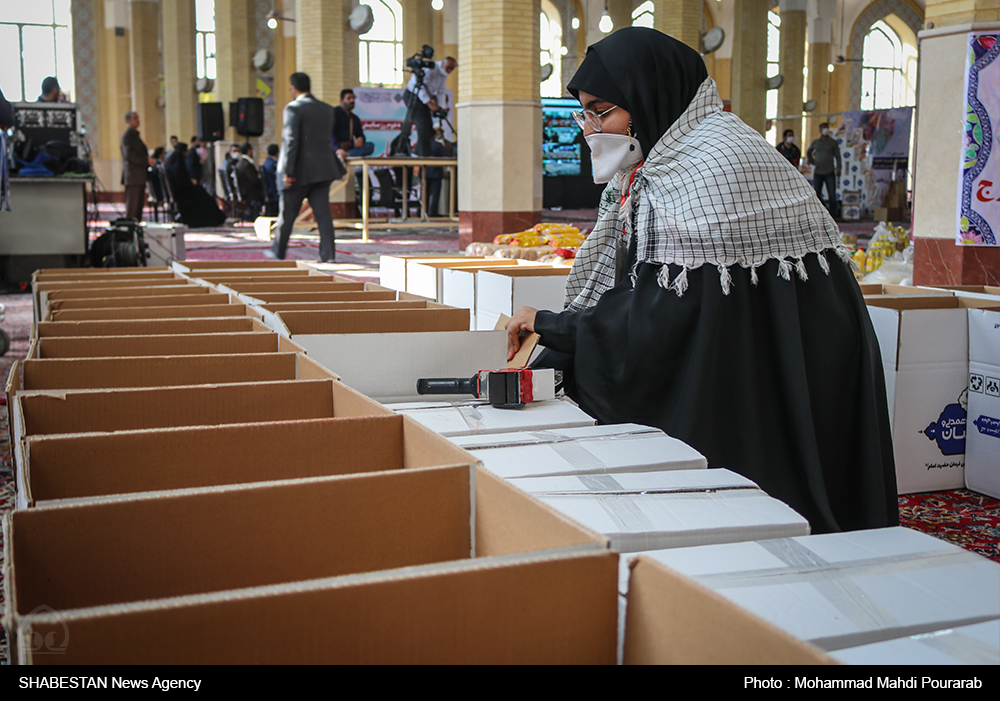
x=711 y=191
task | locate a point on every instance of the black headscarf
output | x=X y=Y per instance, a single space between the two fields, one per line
x=650 y=74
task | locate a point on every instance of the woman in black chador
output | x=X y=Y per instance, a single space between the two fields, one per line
x=196 y=207
x=714 y=298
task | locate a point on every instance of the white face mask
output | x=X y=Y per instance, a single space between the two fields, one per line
x=610 y=153
x=790 y=140
x=825 y=132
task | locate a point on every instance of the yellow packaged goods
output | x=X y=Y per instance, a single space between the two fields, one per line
x=545 y=234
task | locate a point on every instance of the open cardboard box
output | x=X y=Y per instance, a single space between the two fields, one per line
x=382 y=353
x=172 y=344
x=85 y=465
x=392 y=269
x=353 y=296
x=125 y=550
x=535 y=610
x=144 y=327
x=40 y=291
x=176 y=300
x=924 y=343
x=202 y=266
x=869 y=289
x=974 y=291
x=982 y=443
x=184 y=311
x=390 y=316
x=832 y=591
x=502 y=292
x=424 y=278
x=46 y=273
x=458 y=286
x=149 y=290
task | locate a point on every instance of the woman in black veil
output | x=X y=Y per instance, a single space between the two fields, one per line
x=196 y=207
x=714 y=298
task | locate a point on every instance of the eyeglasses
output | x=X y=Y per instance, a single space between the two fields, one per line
x=589 y=117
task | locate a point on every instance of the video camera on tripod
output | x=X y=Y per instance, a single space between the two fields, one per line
x=421 y=60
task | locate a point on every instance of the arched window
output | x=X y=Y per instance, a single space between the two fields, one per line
x=773 y=68
x=889 y=68
x=204 y=46
x=642 y=16
x=380 y=51
x=551 y=49
x=36 y=41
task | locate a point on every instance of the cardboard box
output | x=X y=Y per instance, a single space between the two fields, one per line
x=133 y=302
x=504 y=291
x=319 y=283
x=285 y=297
x=151 y=290
x=592 y=450
x=974 y=291
x=475 y=416
x=522 y=612
x=40 y=291
x=164 y=242
x=118 y=550
x=671 y=619
x=868 y=289
x=392 y=269
x=174 y=344
x=201 y=266
x=424 y=278
x=888 y=214
x=977 y=644
x=669 y=509
x=52 y=273
x=458 y=286
x=85 y=465
x=982 y=442
x=841 y=590
x=924 y=342
x=186 y=311
x=382 y=353
x=143 y=327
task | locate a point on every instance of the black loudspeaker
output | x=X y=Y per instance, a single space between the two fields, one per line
x=250 y=119
x=211 y=123
x=234 y=114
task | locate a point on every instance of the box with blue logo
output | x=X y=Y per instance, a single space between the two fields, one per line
x=924 y=343
x=982 y=451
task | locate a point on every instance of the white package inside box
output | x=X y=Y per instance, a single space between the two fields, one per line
x=982 y=436
x=842 y=590
x=670 y=509
x=476 y=416
x=925 y=356
x=576 y=451
x=504 y=291
x=459 y=285
x=977 y=644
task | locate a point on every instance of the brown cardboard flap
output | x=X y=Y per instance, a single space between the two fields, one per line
x=143 y=327
x=157 y=371
x=671 y=619
x=100 y=464
x=161 y=279
x=532 y=271
x=96 y=272
x=341 y=306
x=196 y=298
x=510 y=521
x=196 y=265
x=201 y=405
x=125 y=550
x=149 y=291
x=216 y=276
x=942 y=302
x=375 y=321
x=357 y=296
x=552 y=611
x=306 y=284
x=177 y=344
x=179 y=312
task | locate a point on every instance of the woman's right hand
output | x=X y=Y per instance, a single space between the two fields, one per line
x=522 y=321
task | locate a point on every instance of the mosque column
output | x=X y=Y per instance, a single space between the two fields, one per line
x=418 y=27
x=820 y=57
x=749 y=66
x=620 y=13
x=499 y=108
x=682 y=19
x=235 y=44
x=283 y=41
x=326 y=48
x=791 y=60
x=940 y=145
x=114 y=84
x=144 y=50
x=179 y=68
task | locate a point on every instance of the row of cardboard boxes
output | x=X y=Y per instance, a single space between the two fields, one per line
x=572 y=453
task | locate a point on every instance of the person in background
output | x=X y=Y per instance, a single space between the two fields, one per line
x=135 y=161
x=249 y=182
x=788 y=149
x=195 y=206
x=348 y=136
x=426 y=102
x=193 y=161
x=824 y=155
x=435 y=174
x=269 y=171
x=6 y=122
x=51 y=91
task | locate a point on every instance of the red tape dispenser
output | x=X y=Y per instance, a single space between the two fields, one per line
x=509 y=388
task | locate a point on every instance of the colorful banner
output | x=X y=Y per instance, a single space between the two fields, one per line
x=382 y=111
x=979 y=185
x=875 y=147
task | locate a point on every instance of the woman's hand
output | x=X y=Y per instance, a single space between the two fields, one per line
x=523 y=321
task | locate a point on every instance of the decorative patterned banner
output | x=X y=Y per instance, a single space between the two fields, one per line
x=979 y=186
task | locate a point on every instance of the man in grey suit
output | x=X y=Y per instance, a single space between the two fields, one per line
x=135 y=161
x=306 y=168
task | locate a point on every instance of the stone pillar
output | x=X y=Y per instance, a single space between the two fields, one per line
x=820 y=55
x=235 y=44
x=144 y=48
x=115 y=89
x=749 y=67
x=791 y=60
x=418 y=27
x=620 y=12
x=179 y=68
x=500 y=157
x=681 y=19
x=284 y=62
x=939 y=147
x=327 y=50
